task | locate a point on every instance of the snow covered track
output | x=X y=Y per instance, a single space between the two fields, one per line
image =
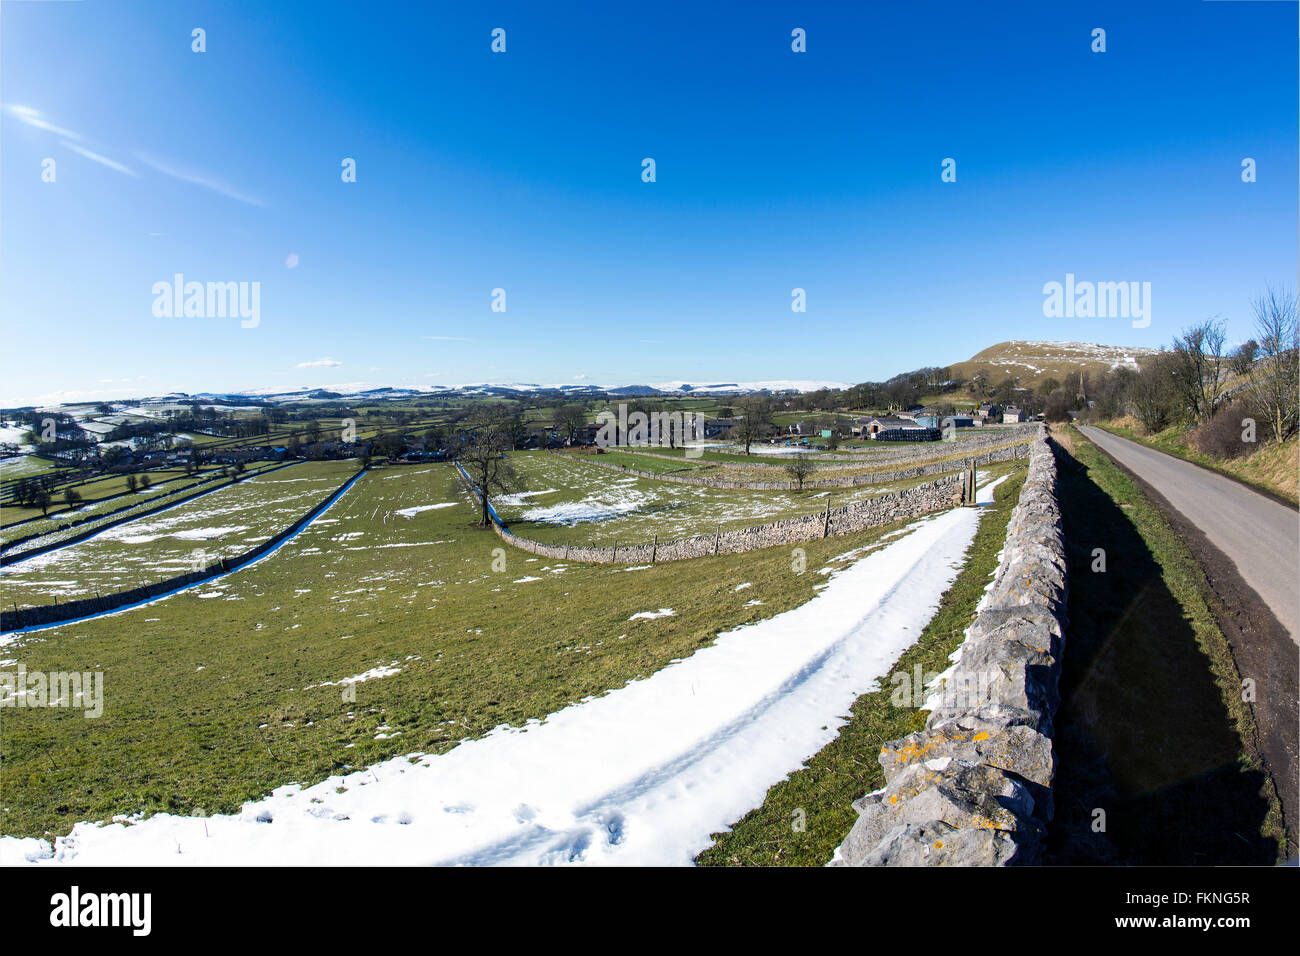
x=975 y=787
x=641 y=775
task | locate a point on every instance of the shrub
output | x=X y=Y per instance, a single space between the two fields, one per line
x=1220 y=437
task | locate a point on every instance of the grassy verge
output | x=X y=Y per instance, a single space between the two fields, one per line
x=1152 y=728
x=845 y=769
x=1273 y=468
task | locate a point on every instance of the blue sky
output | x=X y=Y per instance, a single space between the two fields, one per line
x=522 y=171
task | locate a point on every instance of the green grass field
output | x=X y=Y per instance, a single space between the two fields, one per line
x=59 y=526
x=227 y=522
x=102 y=494
x=219 y=694
x=24 y=466
x=773 y=467
x=567 y=500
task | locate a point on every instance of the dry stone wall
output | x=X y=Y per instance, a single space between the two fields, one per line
x=879 y=452
x=883 y=509
x=1004 y=453
x=974 y=787
x=11 y=552
x=85 y=607
x=983 y=437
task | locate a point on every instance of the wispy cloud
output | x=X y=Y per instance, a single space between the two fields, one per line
x=198 y=178
x=33 y=117
x=102 y=160
x=25 y=114
x=320 y=363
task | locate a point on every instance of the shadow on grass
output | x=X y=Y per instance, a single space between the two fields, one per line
x=1142 y=732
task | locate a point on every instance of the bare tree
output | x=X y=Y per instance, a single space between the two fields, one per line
x=481 y=448
x=755 y=420
x=799 y=469
x=1154 y=393
x=1201 y=361
x=569 y=420
x=1274 y=378
x=1243 y=357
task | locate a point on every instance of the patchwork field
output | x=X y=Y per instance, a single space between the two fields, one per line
x=569 y=501
x=222 y=524
x=158 y=493
x=23 y=466
x=100 y=491
x=390 y=625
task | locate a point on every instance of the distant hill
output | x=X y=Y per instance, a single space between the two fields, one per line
x=1035 y=361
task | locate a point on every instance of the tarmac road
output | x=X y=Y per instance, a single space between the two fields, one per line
x=1259 y=535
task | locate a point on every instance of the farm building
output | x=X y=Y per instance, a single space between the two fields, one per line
x=889 y=428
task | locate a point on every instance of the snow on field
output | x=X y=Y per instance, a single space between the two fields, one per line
x=519 y=497
x=636 y=509
x=13 y=434
x=412 y=512
x=383 y=670
x=756 y=449
x=641 y=775
x=219 y=524
x=22 y=465
x=651 y=615
x=573 y=512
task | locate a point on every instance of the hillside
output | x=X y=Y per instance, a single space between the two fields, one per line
x=1034 y=362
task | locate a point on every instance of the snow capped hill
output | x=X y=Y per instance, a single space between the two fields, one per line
x=780 y=385
x=1033 y=362
x=370 y=390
